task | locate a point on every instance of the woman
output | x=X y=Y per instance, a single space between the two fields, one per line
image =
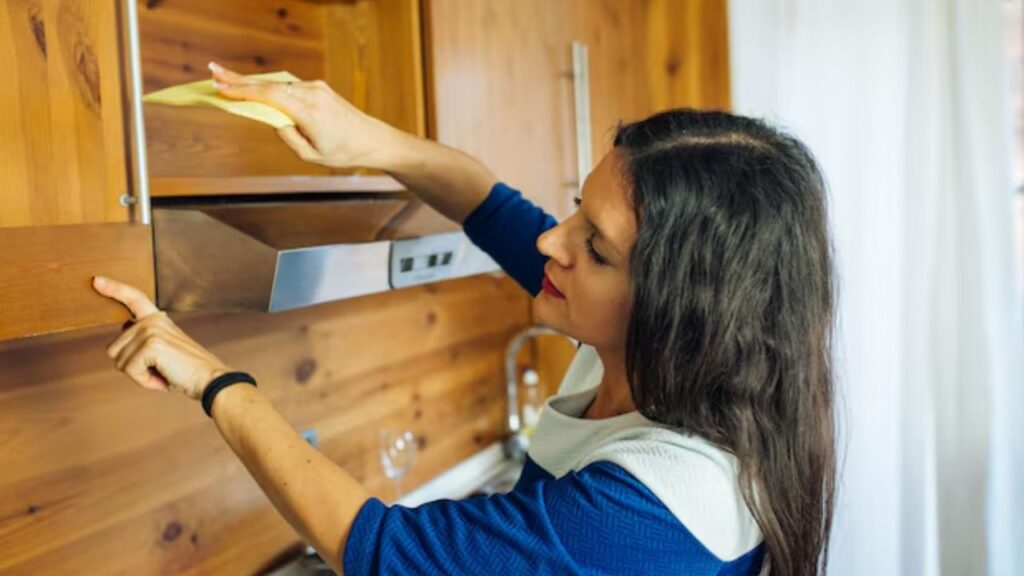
x=693 y=432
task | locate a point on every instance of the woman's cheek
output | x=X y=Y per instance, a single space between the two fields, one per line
x=604 y=318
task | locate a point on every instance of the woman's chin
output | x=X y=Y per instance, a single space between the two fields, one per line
x=546 y=312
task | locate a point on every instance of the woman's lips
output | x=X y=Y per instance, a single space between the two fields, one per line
x=549 y=287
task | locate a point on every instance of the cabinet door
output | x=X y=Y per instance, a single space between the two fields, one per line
x=500 y=78
x=500 y=88
x=63 y=167
x=650 y=56
x=369 y=51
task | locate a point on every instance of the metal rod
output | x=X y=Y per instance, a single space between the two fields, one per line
x=581 y=93
x=140 y=173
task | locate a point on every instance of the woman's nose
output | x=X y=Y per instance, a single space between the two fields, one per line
x=552 y=244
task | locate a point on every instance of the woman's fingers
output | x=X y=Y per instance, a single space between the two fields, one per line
x=328 y=129
x=140 y=366
x=138 y=329
x=129 y=334
x=133 y=345
x=280 y=95
x=224 y=76
x=132 y=298
x=299 y=143
x=272 y=93
x=153 y=351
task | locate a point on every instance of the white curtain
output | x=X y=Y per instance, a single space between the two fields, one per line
x=906 y=105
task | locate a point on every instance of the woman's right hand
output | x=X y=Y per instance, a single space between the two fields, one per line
x=328 y=129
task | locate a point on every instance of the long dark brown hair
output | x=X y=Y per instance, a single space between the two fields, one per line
x=730 y=331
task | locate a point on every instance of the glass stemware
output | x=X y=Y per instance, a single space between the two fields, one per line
x=397 y=455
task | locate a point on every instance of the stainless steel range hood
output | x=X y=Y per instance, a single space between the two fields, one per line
x=275 y=253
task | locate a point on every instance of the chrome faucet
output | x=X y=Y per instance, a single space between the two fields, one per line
x=516 y=442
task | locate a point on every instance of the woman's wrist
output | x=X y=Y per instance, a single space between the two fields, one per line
x=234 y=399
x=396 y=152
x=213 y=375
x=221 y=384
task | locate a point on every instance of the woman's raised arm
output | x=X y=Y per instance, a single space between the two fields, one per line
x=332 y=132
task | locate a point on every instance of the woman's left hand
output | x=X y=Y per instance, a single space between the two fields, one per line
x=154 y=352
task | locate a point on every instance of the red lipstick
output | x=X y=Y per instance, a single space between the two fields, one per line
x=549 y=288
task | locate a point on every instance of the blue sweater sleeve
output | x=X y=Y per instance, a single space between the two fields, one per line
x=599 y=520
x=506 y=226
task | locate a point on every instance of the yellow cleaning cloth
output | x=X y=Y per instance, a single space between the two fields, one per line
x=203 y=93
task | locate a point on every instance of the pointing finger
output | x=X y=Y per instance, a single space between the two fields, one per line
x=132 y=298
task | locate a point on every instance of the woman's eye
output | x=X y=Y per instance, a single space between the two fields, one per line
x=597 y=258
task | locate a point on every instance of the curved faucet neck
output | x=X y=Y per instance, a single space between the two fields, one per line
x=516 y=442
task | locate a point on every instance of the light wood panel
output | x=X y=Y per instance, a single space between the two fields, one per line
x=500 y=77
x=101 y=477
x=614 y=33
x=62 y=151
x=45 y=274
x=650 y=56
x=373 y=52
x=688 y=54
x=214 y=186
x=368 y=50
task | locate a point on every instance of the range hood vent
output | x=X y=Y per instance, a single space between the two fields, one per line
x=273 y=253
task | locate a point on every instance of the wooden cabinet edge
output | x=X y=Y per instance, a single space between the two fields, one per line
x=46 y=271
x=213 y=186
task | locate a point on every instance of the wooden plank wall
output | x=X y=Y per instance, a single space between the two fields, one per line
x=100 y=477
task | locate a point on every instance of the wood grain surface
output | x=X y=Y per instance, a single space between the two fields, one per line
x=45 y=273
x=102 y=477
x=62 y=140
x=214 y=186
x=370 y=51
x=688 y=54
x=501 y=87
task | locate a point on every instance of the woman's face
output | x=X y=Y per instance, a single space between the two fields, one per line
x=586 y=293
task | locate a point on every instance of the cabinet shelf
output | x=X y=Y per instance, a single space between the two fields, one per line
x=167 y=186
x=369 y=51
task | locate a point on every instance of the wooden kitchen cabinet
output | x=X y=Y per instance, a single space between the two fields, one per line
x=650 y=56
x=500 y=84
x=369 y=51
x=64 y=165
